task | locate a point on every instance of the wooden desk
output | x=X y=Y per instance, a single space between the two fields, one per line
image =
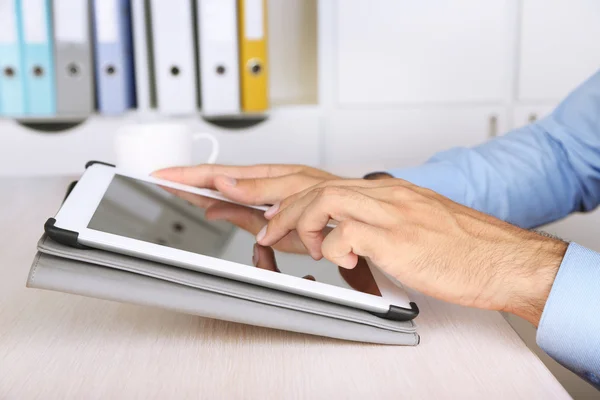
x=59 y=346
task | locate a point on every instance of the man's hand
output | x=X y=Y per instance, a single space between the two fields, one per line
x=254 y=185
x=425 y=240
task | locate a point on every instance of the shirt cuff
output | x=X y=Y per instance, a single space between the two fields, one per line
x=441 y=177
x=569 y=330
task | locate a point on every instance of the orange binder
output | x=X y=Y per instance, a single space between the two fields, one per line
x=252 y=15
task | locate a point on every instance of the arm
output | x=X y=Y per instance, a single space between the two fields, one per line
x=532 y=176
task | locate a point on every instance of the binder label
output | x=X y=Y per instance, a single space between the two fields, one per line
x=34 y=21
x=218 y=20
x=8 y=18
x=107 y=27
x=253 y=19
x=71 y=21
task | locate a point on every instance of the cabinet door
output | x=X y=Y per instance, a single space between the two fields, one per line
x=399 y=138
x=404 y=51
x=559 y=47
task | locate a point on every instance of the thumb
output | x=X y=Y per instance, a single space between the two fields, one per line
x=261 y=191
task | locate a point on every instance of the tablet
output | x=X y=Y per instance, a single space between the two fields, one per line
x=168 y=222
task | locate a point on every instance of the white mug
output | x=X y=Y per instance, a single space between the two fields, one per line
x=144 y=148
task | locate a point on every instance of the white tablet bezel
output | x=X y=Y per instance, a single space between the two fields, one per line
x=79 y=207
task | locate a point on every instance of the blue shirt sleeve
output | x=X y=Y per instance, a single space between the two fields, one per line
x=532 y=176
x=569 y=330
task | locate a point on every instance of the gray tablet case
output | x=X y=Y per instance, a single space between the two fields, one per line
x=111 y=276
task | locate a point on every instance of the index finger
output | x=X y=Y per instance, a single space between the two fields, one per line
x=203 y=175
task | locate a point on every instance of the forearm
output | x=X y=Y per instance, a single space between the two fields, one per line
x=524 y=178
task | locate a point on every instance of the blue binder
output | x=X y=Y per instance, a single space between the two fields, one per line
x=38 y=60
x=113 y=48
x=12 y=101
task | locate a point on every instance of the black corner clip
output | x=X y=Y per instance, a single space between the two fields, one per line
x=62 y=236
x=396 y=313
x=90 y=163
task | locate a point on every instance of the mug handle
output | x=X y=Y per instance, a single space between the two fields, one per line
x=215 y=145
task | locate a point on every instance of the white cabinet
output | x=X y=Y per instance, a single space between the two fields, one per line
x=433 y=51
x=403 y=137
x=559 y=47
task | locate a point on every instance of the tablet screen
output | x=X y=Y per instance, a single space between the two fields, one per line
x=194 y=223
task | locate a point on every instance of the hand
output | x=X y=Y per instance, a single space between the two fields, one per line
x=424 y=240
x=253 y=185
x=249 y=219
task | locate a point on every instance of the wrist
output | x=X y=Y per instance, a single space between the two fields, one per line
x=531 y=282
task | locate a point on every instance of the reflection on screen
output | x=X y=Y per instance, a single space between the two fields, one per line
x=167 y=217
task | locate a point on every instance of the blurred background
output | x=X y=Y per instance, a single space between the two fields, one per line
x=382 y=82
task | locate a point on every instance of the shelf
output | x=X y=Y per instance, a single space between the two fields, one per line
x=25 y=151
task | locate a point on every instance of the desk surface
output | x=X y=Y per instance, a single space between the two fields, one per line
x=55 y=345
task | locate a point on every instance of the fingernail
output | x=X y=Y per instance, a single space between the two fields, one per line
x=255 y=255
x=261 y=234
x=272 y=210
x=229 y=181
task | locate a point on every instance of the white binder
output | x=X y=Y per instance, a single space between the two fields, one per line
x=219 y=58
x=144 y=79
x=174 y=56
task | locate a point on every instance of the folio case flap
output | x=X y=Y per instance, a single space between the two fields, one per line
x=111 y=276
